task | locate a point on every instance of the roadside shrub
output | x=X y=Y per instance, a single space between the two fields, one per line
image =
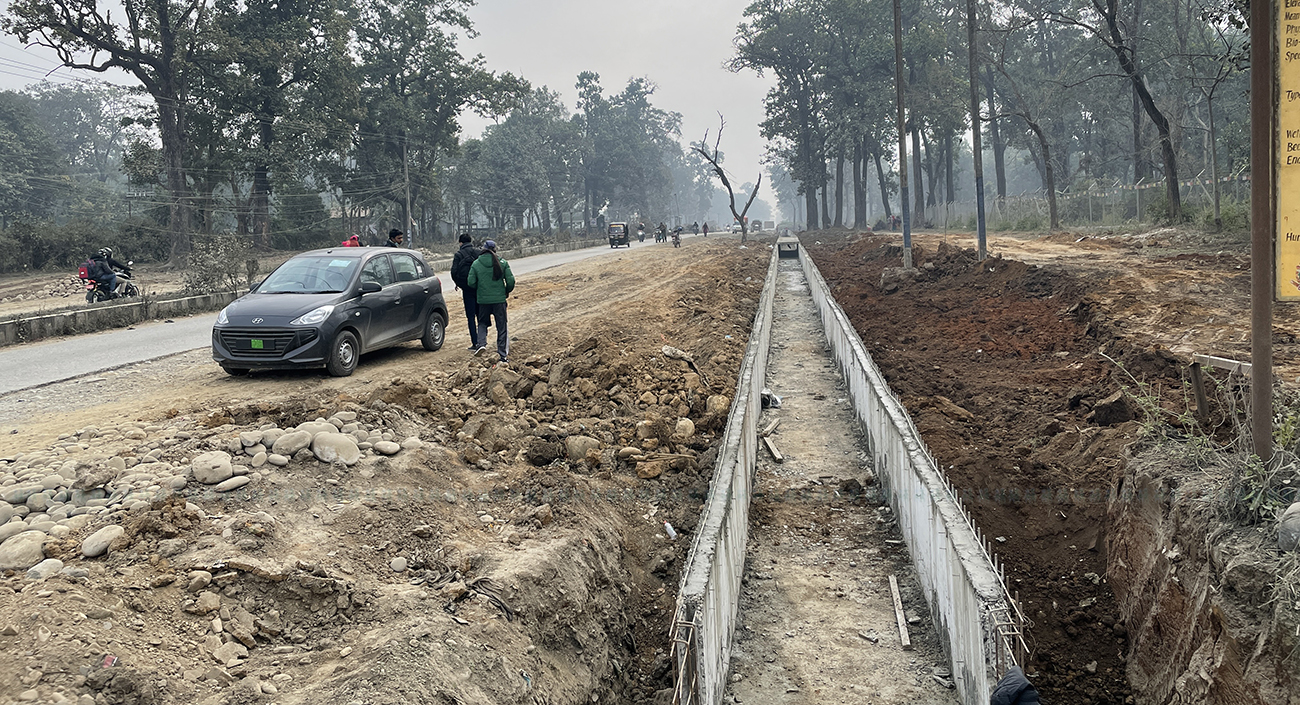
x=220 y=263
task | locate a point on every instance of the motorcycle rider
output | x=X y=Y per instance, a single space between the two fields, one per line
x=102 y=270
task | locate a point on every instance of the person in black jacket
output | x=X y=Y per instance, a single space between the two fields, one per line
x=395 y=238
x=460 y=265
x=102 y=270
x=1014 y=689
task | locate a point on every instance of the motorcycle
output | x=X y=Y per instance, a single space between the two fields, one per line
x=677 y=239
x=640 y=235
x=96 y=291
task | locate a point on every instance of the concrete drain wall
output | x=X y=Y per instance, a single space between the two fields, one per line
x=981 y=626
x=966 y=593
x=709 y=596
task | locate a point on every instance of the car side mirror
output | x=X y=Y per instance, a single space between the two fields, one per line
x=370 y=287
x=254 y=286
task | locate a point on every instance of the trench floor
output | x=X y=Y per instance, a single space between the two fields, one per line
x=817 y=621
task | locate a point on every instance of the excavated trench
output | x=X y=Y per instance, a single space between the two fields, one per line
x=1035 y=402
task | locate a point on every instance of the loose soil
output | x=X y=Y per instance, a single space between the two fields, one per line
x=1010 y=369
x=530 y=516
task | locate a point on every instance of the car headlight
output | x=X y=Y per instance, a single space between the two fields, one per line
x=222 y=319
x=314 y=317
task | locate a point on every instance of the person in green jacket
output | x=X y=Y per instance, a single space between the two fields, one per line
x=492 y=281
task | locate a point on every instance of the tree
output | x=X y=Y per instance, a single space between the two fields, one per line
x=156 y=45
x=712 y=156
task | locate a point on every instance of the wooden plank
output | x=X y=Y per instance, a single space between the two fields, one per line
x=898 y=614
x=1198 y=388
x=1222 y=363
x=771 y=448
x=770 y=428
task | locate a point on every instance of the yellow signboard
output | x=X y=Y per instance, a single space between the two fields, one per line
x=1287 y=260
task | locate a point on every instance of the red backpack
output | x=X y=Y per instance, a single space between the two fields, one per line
x=84 y=272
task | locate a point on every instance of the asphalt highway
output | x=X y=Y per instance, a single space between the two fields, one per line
x=43 y=362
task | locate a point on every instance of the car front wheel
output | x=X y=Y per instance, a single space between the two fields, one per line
x=435 y=332
x=344 y=354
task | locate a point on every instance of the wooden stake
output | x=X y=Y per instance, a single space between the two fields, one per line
x=898 y=614
x=771 y=448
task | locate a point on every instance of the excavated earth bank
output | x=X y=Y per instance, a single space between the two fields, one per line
x=1033 y=401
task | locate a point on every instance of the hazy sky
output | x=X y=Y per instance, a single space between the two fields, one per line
x=680 y=45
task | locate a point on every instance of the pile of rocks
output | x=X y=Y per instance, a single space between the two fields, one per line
x=61 y=287
x=53 y=494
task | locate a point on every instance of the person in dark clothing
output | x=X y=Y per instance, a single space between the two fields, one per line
x=460 y=265
x=492 y=281
x=1014 y=689
x=102 y=266
x=395 y=238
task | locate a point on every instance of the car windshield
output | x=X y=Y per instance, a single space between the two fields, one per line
x=323 y=274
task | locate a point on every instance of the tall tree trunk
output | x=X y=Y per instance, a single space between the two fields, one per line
x=999 y=146
x=171 y=130
x=931 y=163
x=826 y=205
x=1167 y=153
x=859 y=187
x=884 y=185
x=1049 y=176
x=810 y=205
x=918 y=187
x=839 y=189
x=950 y=185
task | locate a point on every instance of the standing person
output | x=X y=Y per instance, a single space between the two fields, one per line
x=395 y=238
x=460 y=265
x=492 y=281
x=706 y=229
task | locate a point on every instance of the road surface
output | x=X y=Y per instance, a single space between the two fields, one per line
x=40 y=363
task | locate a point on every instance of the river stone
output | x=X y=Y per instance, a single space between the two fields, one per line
x=250 y=438
x=270 y=436
x=717 y=405
x=328 y=447
x=44 y=569
x=412 y=443
x=277 y=460
x=18 y=494
x=1288 y=528
x=97 y=543
x=6 y=512
x=317 y=427
x=38 y=502
x=258 y=460
x=685 y=429
x=387 y=447
x=398 y=565
x=81 y=497
x=12 y=528
x=346 y=416
x=212 y=467
x=577 y=446
x=233 y=483
x=291 y=443
x=22 y=551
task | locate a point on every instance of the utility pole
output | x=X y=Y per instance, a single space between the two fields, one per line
x=902 y=134
x=406 y=175
x=977 y=149
x=1262 y=224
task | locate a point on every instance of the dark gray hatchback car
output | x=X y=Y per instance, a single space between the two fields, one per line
x=325 y=308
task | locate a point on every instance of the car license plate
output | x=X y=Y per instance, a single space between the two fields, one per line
x=255 y=344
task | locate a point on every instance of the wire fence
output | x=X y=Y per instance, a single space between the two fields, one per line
x=1115 y=205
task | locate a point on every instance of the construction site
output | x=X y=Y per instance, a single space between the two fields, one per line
x=740 y=471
